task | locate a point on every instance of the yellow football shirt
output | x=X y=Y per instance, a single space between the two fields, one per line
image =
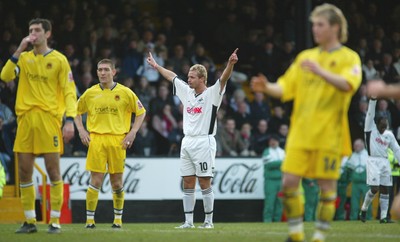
x=319 y=118
x=109 y=110
x=45 y=82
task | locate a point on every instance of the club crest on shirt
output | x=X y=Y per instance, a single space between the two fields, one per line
x=116 y=97
x=333 y=64
x=49 y=66
x=201 y=100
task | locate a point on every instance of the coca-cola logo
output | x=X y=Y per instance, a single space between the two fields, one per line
x=238 y=178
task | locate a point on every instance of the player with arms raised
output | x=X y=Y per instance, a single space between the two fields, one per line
x=198 y=150
x=379 y=173
x=321 y=82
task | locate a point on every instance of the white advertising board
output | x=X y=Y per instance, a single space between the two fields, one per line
x=159 y=178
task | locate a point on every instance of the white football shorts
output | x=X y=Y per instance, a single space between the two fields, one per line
x=378 y=172
x=198 y=156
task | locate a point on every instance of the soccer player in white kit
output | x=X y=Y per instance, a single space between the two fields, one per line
x=378 y=139
x=380 y=89
x=198 y=149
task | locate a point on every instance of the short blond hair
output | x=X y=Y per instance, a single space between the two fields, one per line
x=334 y=16
x=200 y=70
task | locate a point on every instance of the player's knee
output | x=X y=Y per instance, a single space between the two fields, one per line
x=374 y=189
x=290 y=181
x=189 y=182
x=205 y=182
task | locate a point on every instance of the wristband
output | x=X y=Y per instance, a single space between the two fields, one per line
x=14 y=59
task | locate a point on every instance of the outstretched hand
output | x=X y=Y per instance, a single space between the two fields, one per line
x=151 y=61
x=233 y=59
x=259 y=83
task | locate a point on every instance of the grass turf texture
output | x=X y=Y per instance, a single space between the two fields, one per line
x=230 y=232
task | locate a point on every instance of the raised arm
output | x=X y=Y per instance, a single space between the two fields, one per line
x=167 y=74
x=226 y=74
x=369 y=120
x=10 y=69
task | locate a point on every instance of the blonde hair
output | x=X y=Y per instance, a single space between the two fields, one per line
x=201 y=71
x=334 y=16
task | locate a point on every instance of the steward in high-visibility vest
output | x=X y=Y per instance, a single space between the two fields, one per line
x=394 y=164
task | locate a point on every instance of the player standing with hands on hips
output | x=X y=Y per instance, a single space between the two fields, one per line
x=198 y=150
x=321 y=82
x=379 y=172
x=46 y=92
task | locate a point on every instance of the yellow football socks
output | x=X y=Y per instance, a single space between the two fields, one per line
x=294 y=210
x=28 y=197
x=325 y=213
x=92 y=197
x=56 y=201
x=118 y=201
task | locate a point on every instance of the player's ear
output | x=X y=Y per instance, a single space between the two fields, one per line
x=47 y=34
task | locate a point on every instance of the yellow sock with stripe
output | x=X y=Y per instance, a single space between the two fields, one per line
x=56 y=201
x=325 y=213
x=92 y=197
x=118 y=201
x=294 y=210
x=28 y=197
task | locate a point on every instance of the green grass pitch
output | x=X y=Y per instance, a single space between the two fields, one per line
x=230 y=232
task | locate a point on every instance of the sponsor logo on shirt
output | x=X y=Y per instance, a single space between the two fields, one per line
x=106 y=110
x=194 y=110
x=380 y=141
x=36 y=77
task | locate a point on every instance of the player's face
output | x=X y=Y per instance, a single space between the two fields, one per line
x=38 y=35
x=194 y=80
x=105 y=73
x=323 y=32
x=382 y=125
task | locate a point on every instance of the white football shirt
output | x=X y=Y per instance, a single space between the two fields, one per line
x=199 y=112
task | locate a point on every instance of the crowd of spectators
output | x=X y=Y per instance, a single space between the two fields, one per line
x=180 y=33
